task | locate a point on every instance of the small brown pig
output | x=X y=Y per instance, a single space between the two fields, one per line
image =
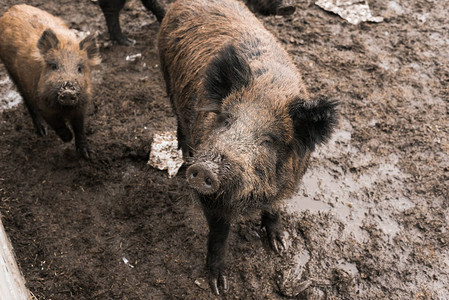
x=51 y=69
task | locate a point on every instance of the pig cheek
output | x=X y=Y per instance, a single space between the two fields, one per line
x=80 y=81
x=259 y=177
x=84 y=86
x=267 y=170
x=48 y=86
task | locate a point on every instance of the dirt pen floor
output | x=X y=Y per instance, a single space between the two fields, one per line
x=369 y=221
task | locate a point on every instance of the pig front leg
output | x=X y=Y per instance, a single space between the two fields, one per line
x=273 y=226
x=82 y=147
x=156 y=8
x=38 y=121
x=216 y=250
x=29 y=101
x=111 y=10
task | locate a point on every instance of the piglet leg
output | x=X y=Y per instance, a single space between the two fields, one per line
x=82 y=147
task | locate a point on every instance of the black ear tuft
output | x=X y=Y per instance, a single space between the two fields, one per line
x=314 y=120
x=47 y=41
x=227 y=71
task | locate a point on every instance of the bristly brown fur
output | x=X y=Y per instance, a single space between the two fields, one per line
x=216 y=56
x=243 y=113
x=41 y=54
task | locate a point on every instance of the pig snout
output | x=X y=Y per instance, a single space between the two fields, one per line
x=68 y=94
x=203 y=178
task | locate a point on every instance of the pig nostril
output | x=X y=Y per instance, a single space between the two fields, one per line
x=202 y=179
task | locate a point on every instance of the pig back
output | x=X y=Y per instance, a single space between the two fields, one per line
x=191 y=35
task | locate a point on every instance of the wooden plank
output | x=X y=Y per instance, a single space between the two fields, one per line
x=12 y=284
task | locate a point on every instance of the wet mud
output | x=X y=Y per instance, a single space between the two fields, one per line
x=369 y=220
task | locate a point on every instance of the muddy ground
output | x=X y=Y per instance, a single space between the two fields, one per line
x=369 y=221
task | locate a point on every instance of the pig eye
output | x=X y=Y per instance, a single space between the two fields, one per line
x=267 y=140
x=224 y=120
x=80 y=68
x=53 y=66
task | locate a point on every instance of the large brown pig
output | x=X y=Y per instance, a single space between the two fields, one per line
x=244 y=116
x=51 y=70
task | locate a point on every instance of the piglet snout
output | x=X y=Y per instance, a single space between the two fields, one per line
x=68 y=94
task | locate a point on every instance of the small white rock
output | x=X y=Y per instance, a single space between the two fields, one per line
x=165 y=154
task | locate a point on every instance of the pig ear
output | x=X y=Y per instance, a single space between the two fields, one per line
x=47 y=41
x=227 y=71
x=313 y=121
x=89 y=44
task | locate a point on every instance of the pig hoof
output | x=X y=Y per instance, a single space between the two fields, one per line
x=218 y=283
x=40 y=129
x=123 y=40
x=276 y=240
x=84 y=152
x=285 y=10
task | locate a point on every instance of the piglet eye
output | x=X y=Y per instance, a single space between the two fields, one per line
x=80 y=68
x=53 y=66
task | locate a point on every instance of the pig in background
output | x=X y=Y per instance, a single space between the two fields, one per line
x=245 y=120
x=273 y=7
x=51 y=70
x=111 y=11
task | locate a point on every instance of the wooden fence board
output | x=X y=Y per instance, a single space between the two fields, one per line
x=12 y=284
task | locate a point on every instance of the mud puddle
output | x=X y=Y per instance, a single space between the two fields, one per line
x=347 y=194
x=9 y=97
x=369 y=221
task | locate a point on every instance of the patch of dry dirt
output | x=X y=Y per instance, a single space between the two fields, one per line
x=370 y=220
